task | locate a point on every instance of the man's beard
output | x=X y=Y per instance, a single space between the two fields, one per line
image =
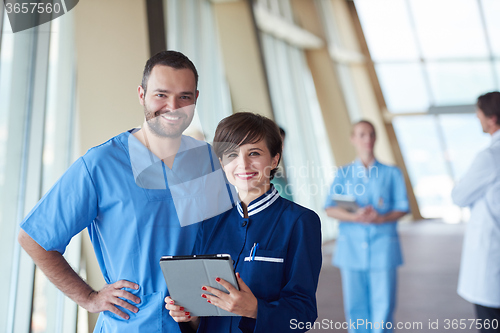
x=155 y=123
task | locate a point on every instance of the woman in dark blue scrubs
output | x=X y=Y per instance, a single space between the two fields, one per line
x=275 y=243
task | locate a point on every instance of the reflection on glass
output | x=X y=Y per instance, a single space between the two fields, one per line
x=449 y=28
x=191 y=29
x=296 y=109
x=491 y=10
x=464 y=138
x=387 y=29
x=419 y=141
x=6 y=55
x=49 y=306
x=456 y=83
x=403 y=86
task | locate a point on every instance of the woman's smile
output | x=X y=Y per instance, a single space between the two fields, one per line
x=246 y=175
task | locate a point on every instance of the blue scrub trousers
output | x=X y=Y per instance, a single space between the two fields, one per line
x=369 y=298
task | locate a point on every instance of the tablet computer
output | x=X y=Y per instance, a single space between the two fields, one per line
x=346 y=201
x=185 y=275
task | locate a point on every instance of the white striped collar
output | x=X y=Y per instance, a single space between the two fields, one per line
x=265 y=201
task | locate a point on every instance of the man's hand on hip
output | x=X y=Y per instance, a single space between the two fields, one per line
x=111 y=296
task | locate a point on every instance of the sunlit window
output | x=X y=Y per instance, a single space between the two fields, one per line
x=191 y=29
x=295 y=105
x=36 y=107
x=434 y=57
x=432 y=52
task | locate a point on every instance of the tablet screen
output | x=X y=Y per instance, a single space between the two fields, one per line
x=185 y=275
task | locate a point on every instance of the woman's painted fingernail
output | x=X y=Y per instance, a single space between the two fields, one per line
x=203 y=288
x=187 y=313
x=171 y=302
x=189 y=317
x=181 y=308
x=203 y=295
x=209 y=301
x=217 y=279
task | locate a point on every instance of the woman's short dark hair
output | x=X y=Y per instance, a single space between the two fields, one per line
x=245 y=127
x=490 y=104
x=172 y=59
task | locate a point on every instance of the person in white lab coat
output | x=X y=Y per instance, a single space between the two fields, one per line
x=479 y=280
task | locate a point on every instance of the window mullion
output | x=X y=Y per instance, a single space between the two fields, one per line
x=30 y=191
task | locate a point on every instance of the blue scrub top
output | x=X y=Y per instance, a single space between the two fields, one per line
x=284 y=273
x=130 y=225
x=363 y=246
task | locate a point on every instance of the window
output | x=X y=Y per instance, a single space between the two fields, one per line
x=307 y=154
x=434 y=58
x=191 y=30
x=441 y=52
x=36 y=107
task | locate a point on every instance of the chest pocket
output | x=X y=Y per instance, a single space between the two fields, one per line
x=383 y=199
x=265 y=272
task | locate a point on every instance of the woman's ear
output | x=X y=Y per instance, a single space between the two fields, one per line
x=221 y=165
x=275 y=161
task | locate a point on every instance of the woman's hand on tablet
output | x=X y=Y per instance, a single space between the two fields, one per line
x=241 y=302
x=178 y=313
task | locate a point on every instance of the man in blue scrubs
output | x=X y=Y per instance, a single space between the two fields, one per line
x=131 y=194
x=368 y=249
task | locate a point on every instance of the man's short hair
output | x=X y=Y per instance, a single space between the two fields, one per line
x=489 y=104
x=363 y=121
x=172 y=59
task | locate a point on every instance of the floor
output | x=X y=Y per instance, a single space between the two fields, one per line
x=427 y=282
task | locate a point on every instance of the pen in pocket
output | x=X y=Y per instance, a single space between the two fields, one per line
x=253 y=250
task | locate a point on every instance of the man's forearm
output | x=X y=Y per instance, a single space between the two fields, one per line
x=60 y=273
x=57 y=270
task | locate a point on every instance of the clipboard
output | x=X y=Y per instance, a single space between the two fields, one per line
x=185 y=275
x=346 y=201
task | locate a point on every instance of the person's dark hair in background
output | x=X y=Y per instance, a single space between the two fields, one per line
x=282 y=133
x=490 y=105
x=172 y=59
x=245 y=127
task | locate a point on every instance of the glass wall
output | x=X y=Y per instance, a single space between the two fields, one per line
x=307 y=155
x=191 y=29
x=36 y=122
x=433 y=58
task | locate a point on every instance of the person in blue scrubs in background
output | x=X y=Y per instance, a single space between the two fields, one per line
x=368 y=249
x=121 y=192
x=275 y=243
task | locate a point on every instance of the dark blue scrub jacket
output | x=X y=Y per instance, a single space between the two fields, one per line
x=284 y=272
